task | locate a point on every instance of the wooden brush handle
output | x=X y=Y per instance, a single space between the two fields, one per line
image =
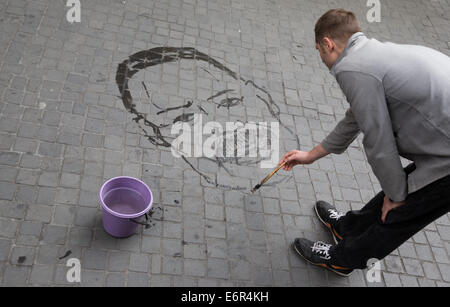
x=273 y=172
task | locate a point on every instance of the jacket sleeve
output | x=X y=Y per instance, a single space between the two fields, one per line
x=343 y=134
x=367 y=99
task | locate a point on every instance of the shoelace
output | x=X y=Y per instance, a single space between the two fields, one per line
x=322 y=249
x=335 y=215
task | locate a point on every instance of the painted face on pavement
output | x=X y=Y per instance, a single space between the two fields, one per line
x=164 y=86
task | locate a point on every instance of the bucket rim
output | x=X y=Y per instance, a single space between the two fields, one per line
x=121 y=215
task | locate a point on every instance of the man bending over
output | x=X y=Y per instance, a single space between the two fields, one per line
x=399 y=97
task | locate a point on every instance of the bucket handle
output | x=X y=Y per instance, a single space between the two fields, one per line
x=146 y=224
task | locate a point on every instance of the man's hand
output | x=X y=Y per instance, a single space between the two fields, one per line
x=388 y=205
x=294 y=157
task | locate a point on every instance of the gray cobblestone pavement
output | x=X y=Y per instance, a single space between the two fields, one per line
x=64 y=131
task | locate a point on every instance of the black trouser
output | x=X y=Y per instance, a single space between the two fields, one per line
x=366 y=237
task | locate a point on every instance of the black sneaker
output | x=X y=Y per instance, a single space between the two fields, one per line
x=317 y=253
x=329 y=216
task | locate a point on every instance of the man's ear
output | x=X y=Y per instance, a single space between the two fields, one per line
x=328 y=44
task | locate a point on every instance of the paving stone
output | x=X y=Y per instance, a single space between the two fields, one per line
x=94 y=259
x=48 y=179
x=160 y=281
x=424 y=252
x=262 y=277
x=42 y=275
x=5 y=246
x=85 y=216
x=431 y=270
x=394 y=264
x=8 y=124
x=290 y=207
x=440 y=255
x=136 y=279
x=86 y=198
x=235 y=215
x=194 y=251
x=31 y=228
x=195 y=268
x=444 y=232
x=50 y=149
x=426 y=282
x=41 y=213
x=156 y=264
x=282 y=278
x=46 y=196
x=73 y=165
x=253 y=204
x=213 y=196
x=218 y=268
x=10 y=209
x=7 y=190
x=48 y=254
x=151 y=244
x=22 y=255
x=70 y=180
x=80 y=237
x=172 y=230
x=8 y=227
x=273 y=223
x=215 y=229
x=184 y=282
x=445 y=271
x=214 y=212
x=271 y=206
x=172 y=265
x=409 y=281
x=407 y=250
x=113 y=142
x=26 y=194
x=8 y=173
x=392 y=280
x=15 y=275
x=118 y=261
x=413 y=267
x=27 y=177
x=139 y=263
x=50 y=164
x=299 y=277
x=54 y=234
x=25 y=145
x=92 y=278
x=434 y=238
x=115 y=280
x=67 y=196
x=240 y=269
x=102 y=240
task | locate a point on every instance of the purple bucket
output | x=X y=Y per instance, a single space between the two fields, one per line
x=125 y=200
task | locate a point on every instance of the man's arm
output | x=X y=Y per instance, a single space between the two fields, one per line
x=366 y=96
x=336 y=142
x=343 y=134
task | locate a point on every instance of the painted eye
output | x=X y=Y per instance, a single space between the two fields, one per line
x=230 y=102
x=219 y=94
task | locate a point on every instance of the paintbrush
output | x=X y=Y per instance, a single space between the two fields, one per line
x=267 y=177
